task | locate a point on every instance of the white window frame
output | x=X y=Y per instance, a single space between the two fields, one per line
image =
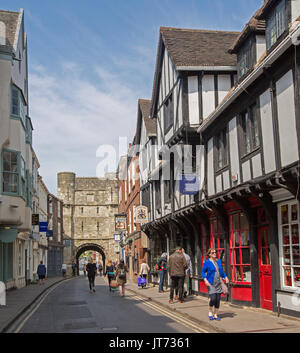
x=281 y=257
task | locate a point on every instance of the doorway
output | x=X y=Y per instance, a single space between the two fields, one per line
x=264 y=265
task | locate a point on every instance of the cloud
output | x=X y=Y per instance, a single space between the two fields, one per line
x=73 y=115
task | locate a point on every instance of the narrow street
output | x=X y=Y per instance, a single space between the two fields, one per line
x=70 y=307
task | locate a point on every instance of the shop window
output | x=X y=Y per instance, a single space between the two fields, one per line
x=217 y=239
x=289 y=244
x=239 y=244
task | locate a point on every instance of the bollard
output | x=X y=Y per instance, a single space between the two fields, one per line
x=2 y=294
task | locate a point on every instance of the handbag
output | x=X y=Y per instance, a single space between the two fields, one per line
x=223 y=285
x=113 y=283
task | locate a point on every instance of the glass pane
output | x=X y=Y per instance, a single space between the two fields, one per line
x=236 y=238
x=238 y=273
x=245 y=256
x=297 y=277
x=237 y=256
x=295 y=234
x=286 y=255
x=235 y=222
x=284 y=214
x=287 y=277
x=294 y=212
x=286 y=235
x=6 y=182
x=6 y=161
x=296 y=254
x=246 y=274
x=280 y=18
x=245 y=238
x=243 y=221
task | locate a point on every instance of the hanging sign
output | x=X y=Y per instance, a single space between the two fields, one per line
x=117 y=236
x=35 y=219
x=141 y=214
x=43 y=226
x=120 y=222
x=189 y=184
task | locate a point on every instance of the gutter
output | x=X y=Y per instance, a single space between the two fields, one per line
x=206 y=68
x=286 y=43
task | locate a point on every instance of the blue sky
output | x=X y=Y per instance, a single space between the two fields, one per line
x=91 y=60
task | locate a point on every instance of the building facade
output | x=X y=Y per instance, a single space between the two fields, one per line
x=89 y=206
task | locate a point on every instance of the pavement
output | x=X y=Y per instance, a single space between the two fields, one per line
x=234 y=319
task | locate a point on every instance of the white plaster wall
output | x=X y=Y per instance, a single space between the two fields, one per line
x=295 y=9
x=210 y=168
x=193 y=100
x=267 y=132
x=233 y=146
x=260 y=46
x=256 y=166
x=224 y=86
x=287 y=119
x=208 y=95
x=246 y=171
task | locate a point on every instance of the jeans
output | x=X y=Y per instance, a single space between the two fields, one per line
x=177 y=282
x=162 y=275
x=215 y=300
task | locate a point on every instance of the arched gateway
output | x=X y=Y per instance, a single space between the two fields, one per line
x=86 y=247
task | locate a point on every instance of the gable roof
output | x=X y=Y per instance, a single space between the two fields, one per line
x=193 y=48
x=254 y=25
x=12 y=22
x=143 y=114
x=196 y=47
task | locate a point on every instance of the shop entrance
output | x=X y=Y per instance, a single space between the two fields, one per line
x=264 y=261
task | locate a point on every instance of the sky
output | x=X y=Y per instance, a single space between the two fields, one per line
x=89 y=63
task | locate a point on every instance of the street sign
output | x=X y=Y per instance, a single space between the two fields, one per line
x=43 y=226
x=49 y=233
x=117 y=236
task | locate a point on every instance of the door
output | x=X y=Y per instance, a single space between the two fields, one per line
x=264 y=261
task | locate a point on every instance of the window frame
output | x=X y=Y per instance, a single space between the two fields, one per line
x=245 y=56
x=21 y=113
x=17 y=172
x=274 y=27
x=250 y=130
x=222 y=147
x=168 y=107
x=290 y=224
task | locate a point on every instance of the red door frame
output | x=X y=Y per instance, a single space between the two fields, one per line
x=265 y=274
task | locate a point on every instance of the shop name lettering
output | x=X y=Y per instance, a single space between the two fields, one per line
x=156 y=343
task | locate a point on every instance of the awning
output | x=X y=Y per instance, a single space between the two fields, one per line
x=8 y=235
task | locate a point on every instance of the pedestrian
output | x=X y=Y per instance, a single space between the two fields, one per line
x=144 y=270
x=84 y=270
x=100 y=268
x=91 y=271
x=212 y=271
x=41 y=271
x=64 y=270
x=188 y=275
x=109 y=272
x=120 y=274
x=161 y=266
x=73 y=268
x=177 y=266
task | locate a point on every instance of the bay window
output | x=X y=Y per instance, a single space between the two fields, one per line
x=18 y=105
x=10 y=172
x=289 y=242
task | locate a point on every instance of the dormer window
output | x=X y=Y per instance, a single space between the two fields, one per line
x=276 y=24
x=245 y=59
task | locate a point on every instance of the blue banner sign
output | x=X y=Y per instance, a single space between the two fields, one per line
x=189 y=184
x=43 y=226
x=49 y=233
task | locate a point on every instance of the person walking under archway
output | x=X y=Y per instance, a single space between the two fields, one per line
x=91 y=270
x=212 y=273
x=120 y=274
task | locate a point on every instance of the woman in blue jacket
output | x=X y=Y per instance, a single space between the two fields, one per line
x=212 y=272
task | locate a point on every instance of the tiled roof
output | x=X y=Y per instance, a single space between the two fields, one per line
x=195 y=47
x=150 y=124
x=254 y=25
x=10 y=19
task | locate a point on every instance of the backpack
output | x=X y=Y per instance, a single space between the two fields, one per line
x=122 y=273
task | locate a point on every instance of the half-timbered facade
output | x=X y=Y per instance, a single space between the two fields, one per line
x=252 y=164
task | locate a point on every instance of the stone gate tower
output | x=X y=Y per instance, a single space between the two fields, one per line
x=89 y=208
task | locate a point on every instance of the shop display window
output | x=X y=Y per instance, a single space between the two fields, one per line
x=239 y=243
x=217 y=239
x=289 y=241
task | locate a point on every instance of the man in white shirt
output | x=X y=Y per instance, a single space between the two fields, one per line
x=64 y=269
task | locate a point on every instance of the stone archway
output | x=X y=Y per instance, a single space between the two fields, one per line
x=86 y=247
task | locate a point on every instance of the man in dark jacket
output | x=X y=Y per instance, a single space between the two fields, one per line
x=41 y=271
x=91 y=269
x=177 y=265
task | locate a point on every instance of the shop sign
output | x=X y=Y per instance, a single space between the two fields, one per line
x=120 y=222
x=141 y=214
x=43 y=227
x=35 y=219
x=49 y=233
x=117 y=236
x=189 y=184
